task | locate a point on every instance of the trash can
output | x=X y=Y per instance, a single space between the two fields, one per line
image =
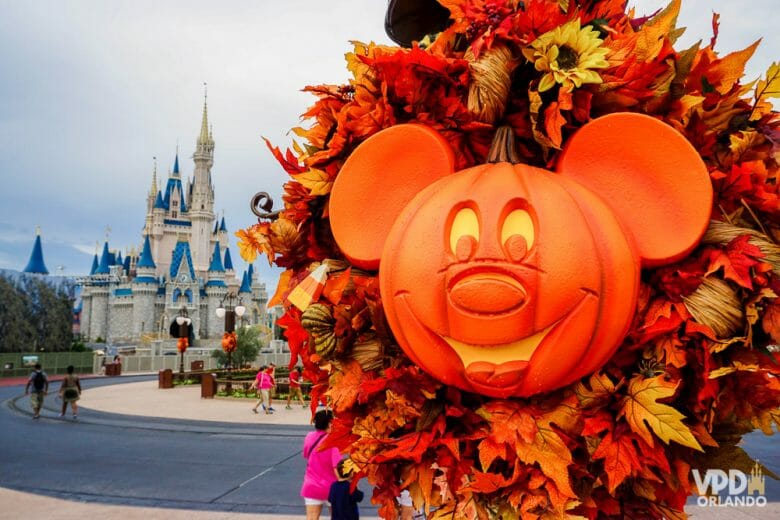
x=165 y=378
x=208 y=386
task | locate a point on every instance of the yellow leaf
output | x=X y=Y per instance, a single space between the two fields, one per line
x=642 y=409
x=316 y=181
x=601 y=387
x=738 y=367
x=744 y=141
x=766 y=89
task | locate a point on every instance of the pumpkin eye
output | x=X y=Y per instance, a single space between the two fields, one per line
x=518 y=227
x=464 y=224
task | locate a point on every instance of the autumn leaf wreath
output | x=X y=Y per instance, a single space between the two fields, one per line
x=696 y=369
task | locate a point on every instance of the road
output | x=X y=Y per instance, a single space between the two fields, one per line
x=120 y=462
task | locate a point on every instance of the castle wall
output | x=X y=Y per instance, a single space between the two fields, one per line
x=143 y=320
x=120 y=319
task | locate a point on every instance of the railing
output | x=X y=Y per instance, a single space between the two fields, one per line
x=139 y=363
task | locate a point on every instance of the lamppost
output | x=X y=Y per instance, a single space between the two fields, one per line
x=183 y=321
x=229 y=308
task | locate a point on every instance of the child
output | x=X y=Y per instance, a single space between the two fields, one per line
x=343 y=504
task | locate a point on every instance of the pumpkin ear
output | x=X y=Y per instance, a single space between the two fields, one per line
x=376 y=182
x=651 y=177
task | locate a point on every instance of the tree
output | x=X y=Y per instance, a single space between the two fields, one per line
x=16 y=330
x=248 y=344
x=35 y=315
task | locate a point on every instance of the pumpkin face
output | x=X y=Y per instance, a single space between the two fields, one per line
x=508 y=280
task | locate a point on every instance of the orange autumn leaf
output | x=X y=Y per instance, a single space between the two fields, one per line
x=645 y=414
x=553 y=123
x=510 y=422
x=254 y=240
x=282 y=287
x=335 y=286
x=621 y=459
x=344 y=386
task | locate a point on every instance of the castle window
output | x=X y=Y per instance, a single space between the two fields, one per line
x=175 y=203
x=174 y=214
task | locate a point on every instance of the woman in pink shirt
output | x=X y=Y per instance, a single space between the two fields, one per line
x=264 y=382
x=320 y=466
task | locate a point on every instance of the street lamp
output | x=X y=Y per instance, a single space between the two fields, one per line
x=229 y=308
x=183 y=321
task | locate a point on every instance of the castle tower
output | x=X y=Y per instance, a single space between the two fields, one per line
x=36 y=264
x=144 y=292
x=216 y=289
x=202 y=196
x=98 y=320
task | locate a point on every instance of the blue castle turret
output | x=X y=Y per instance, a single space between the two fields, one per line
x=36 y=264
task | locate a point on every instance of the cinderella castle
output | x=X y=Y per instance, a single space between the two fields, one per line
x=184 y=266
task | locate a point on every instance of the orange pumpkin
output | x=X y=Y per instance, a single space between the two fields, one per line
x=182 y=344
x=510 y=280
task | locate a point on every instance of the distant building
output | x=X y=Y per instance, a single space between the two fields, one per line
x=184 y=264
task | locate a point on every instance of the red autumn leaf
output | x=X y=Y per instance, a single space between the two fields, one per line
x=597 y=424
x=296 y=335
x=288 y=161
x=620 y=458
x=738 y=258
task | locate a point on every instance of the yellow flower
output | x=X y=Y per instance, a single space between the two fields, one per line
x=567 y=54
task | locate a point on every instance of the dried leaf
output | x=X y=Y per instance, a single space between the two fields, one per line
x=642 y=410
x=318 y=182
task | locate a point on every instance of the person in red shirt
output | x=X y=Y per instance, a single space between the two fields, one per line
x=295 y=387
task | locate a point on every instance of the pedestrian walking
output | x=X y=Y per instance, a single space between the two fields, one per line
x=39 y=382
x=263 y=382
x=343 y=503
x=70 y=392
x=295 y=387
x=320 y=466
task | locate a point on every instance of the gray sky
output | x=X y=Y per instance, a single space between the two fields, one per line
x=90 y=91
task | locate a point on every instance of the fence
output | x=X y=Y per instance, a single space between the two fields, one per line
x=146 y=364
x=22 y=363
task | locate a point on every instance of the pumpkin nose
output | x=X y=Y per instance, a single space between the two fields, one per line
x=488 y=293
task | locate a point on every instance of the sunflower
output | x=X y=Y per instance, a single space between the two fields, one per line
x=567 y=54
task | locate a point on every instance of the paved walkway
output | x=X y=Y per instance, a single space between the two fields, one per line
x=143 y=405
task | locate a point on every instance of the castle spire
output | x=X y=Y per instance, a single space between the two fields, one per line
x=204 y=137
x=36 y=264
x=146 y=256
x=154 y=189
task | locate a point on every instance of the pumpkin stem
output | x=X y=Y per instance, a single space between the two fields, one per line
x=503 y=148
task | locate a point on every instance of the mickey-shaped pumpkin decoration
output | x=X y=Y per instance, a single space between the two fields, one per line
x=509 y=280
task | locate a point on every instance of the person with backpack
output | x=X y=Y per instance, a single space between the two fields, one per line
x=40 y=387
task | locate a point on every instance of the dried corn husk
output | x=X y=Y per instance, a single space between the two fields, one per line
x=369 y=354
x=716 y=304
x=319 y=322
x=491 y=79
